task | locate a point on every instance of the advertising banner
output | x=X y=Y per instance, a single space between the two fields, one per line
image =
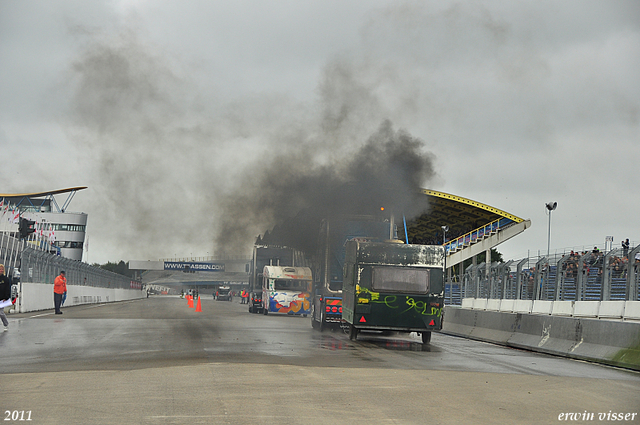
x=191 y=266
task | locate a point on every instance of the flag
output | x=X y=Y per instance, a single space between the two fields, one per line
x=15 y=216
x=40 y=234
x=52 y=234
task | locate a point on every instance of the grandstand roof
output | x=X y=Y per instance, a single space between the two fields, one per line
x=40 y=194
x=30 y=200
x=462 y=215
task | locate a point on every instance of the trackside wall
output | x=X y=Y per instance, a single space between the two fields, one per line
x=611 y=342
x=39 y=296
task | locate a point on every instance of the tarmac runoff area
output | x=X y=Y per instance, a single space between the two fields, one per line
x=156 y=361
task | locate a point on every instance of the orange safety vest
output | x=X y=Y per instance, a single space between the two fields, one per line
x=60 y=285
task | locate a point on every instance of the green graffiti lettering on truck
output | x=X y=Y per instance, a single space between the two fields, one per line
x=390 y=301
x=374 y=298
x=422 y=308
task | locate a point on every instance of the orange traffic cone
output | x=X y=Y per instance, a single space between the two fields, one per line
x=198 y=307
x=190 y=302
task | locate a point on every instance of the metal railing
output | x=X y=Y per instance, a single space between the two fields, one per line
x=37 y=266
x=477 y=235
x=593 y=276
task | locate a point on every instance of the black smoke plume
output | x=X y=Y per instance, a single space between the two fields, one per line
x=174 y=177
x=291 y=194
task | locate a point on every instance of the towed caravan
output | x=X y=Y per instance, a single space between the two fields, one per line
x=393 y=287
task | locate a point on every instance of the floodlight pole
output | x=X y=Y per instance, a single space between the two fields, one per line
x=549 y=236
x=550 y=206
x=445 y=229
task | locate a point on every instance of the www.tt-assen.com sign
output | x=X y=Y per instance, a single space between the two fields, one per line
x=199 y=267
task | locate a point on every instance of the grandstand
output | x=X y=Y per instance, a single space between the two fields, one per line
x=586 y=276
x=474 y=227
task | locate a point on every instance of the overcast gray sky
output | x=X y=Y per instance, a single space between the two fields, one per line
x=165 y=109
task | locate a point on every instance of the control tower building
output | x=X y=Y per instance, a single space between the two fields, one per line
x=68 y=228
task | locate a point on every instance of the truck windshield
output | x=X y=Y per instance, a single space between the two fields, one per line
x=298 y=285
x=400 y=279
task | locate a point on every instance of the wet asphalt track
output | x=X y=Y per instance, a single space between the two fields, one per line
x=157 y=361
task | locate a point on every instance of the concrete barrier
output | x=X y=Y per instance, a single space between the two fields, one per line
x=620 y=310
x=493 y=304
x=541 y=307
x=612 y=342
x=562 y=308
x=467 y=302
x=522 y=306
x=492 y=326
x=460 y=321
x=479 y=303
x=39 y=296
x=507 y=305
x=632 y=310
x=586 y=308
x=611 y=310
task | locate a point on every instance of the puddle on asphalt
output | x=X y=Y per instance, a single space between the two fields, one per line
x=333 y=343
x=400 y=345
x=328 y=342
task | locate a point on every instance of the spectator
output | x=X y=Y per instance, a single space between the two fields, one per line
x=625 y=248
x=572 y=270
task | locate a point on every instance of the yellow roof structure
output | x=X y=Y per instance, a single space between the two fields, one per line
x=41 y=194
x=31 y=200
x=460 y=214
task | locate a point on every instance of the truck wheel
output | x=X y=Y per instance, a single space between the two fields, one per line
x=426 y=337
x=353 y=333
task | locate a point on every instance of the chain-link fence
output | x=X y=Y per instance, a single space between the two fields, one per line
x=37 y=266
x=587 y=276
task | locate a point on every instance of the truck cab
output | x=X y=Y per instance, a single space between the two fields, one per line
x=286 y=290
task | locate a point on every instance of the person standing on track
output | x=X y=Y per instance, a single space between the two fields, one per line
x=59 y=288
